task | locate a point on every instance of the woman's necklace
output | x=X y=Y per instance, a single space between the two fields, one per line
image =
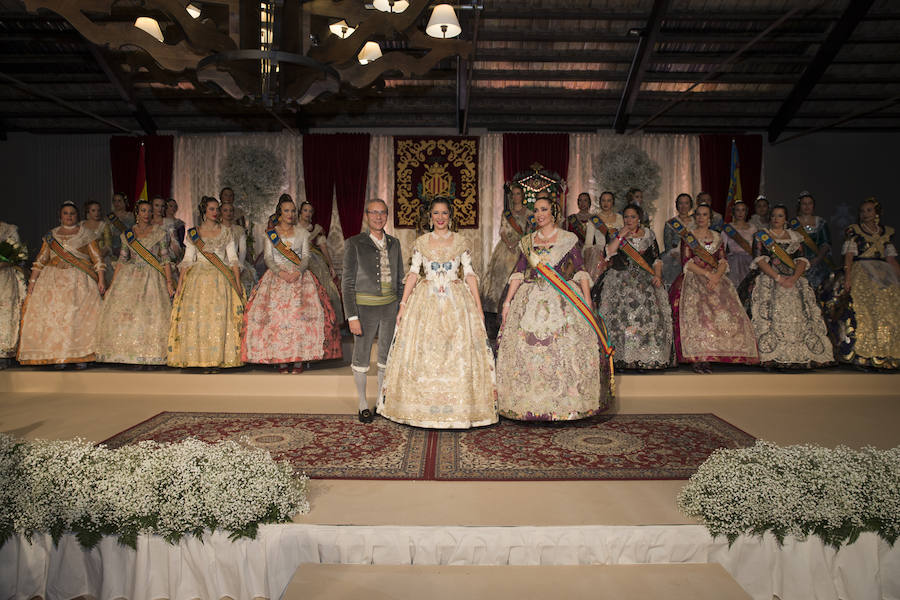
x=546 y=238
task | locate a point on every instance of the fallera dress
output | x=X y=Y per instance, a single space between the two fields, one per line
x=289 y=322
x=12 y=293
x=503 y=260
x=595 y=244
x=59 y=324
x=103 y=235
x=440 y=369
x=207 y=313
x=637 y=314
x=865 y=323
x=319 y=267
x=248 y=273
x=671 y=257
x=709 y=326
x=548 y=364
x=134 y=321
x=818 y=232
x=739 y=259
x=790 y=330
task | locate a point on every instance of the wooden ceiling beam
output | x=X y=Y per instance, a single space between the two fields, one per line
x=138 y=111
x=837 y=37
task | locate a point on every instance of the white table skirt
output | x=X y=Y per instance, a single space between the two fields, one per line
x=262 y=568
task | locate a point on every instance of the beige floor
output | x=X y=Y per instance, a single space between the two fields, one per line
x=822 y=419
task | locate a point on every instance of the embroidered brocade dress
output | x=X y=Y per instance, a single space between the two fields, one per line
x=440 y=369
x=671 y=257
x=248 y=273
x=289 y=322
x=788 y=322
x=548 y=364
x=207 y=312
x=503 y=260
x=59 y=322
x=818 y=273
x=12 y=293
x=103 y=235
x=738 y=259
x=637 y=315
x=134 y=322
x=319 y=267
x=709 y=326
x=865 y=324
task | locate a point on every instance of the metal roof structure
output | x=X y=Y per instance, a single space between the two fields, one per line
x=775 y=66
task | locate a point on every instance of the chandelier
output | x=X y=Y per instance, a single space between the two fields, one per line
x=273 y=52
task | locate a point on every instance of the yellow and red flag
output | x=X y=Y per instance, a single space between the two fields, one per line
x=140 y=181
x=734 y=183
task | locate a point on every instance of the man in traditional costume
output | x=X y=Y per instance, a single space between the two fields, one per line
x=372 y=285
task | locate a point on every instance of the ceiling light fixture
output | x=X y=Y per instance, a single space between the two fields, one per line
x=370 y=52
x=443 y=22
x=341 y=29
x=193 y=11
x=391 y=6
x=150 y=26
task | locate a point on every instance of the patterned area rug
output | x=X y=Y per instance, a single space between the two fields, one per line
x=658 y=446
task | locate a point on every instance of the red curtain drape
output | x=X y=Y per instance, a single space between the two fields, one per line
x=715 y=166
x=337 y=163
x=159 y=154
x=521 y=150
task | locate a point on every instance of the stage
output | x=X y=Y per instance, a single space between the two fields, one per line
x=826 y=407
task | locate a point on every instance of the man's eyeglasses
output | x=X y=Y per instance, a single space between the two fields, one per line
x=377 y=213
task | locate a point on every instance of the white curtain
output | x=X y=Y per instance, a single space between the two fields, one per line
x=198 y=167
x=678 y=157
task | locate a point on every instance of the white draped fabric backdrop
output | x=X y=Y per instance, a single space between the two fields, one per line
x=198 y=161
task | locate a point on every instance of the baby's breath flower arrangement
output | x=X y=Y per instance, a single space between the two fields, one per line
x=171 y=490
x=802 y=490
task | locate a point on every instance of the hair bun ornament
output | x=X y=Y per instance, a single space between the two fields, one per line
x=762 y=197
x=69 y=203
x=804 y=194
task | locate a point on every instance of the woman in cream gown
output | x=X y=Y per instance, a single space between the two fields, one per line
x=548 y=364
x=95 y=223
x=59 y=321
x=134 y=322
x=12 y=292
x=738 y=258
x=289 y=318
x=319 y=260
x=208 y=310
x=595 y=236
x=440 y=369
x=513 y=225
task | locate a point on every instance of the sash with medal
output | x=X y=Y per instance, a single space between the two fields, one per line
x=507 y=214
x=797 y=226
x=738 y=238
x=632 y=253
x=600 y=226
x=135 y=244
x=576 y=227
x=532 y=224
x=117 y=222
x=283 y=248
x=693 y=242
x=562 y=287
x=769 y=242
x=70 y=258
x=194 y=235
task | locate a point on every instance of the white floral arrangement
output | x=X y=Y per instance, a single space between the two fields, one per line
x=257 y=177
x=171 y=490
x=797 y=491
x=620 y=166
x=13 y=252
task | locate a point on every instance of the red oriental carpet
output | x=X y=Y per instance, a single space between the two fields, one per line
x=655 y=446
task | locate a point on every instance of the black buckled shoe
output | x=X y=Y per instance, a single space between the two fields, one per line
x=366 y=416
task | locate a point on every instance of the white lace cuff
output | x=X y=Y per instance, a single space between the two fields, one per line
x=850 y=248
x=516 y=277
x=753 y=263
x=580 y=276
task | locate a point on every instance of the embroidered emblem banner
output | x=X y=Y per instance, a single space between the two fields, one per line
x=425 y=167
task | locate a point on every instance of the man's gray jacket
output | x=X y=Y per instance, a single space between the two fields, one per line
x=362 y=270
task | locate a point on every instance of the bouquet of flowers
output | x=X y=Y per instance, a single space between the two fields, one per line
x=13 y=252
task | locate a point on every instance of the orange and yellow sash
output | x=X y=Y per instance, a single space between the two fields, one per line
x=632 y=253
x=214 y=259
x=70 y=258
x=117 y=222
x=769 y=242
x=797 y=226
x=738 y=238
x=693 y=242
x=507 y=214
x=135 y=244
x=600 y=226
x=279 y=244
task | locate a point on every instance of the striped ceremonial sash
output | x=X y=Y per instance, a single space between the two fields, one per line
x=576 y=227
x=507 y=214
x=600 y=226
x=693 y=242
x=117 y=222
x=769 y=242
x=632 y=253
x=135 y=244
x=797 y=226
x=737 y=237
x=194 y=236
x=286 y=252
x=70 y=258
